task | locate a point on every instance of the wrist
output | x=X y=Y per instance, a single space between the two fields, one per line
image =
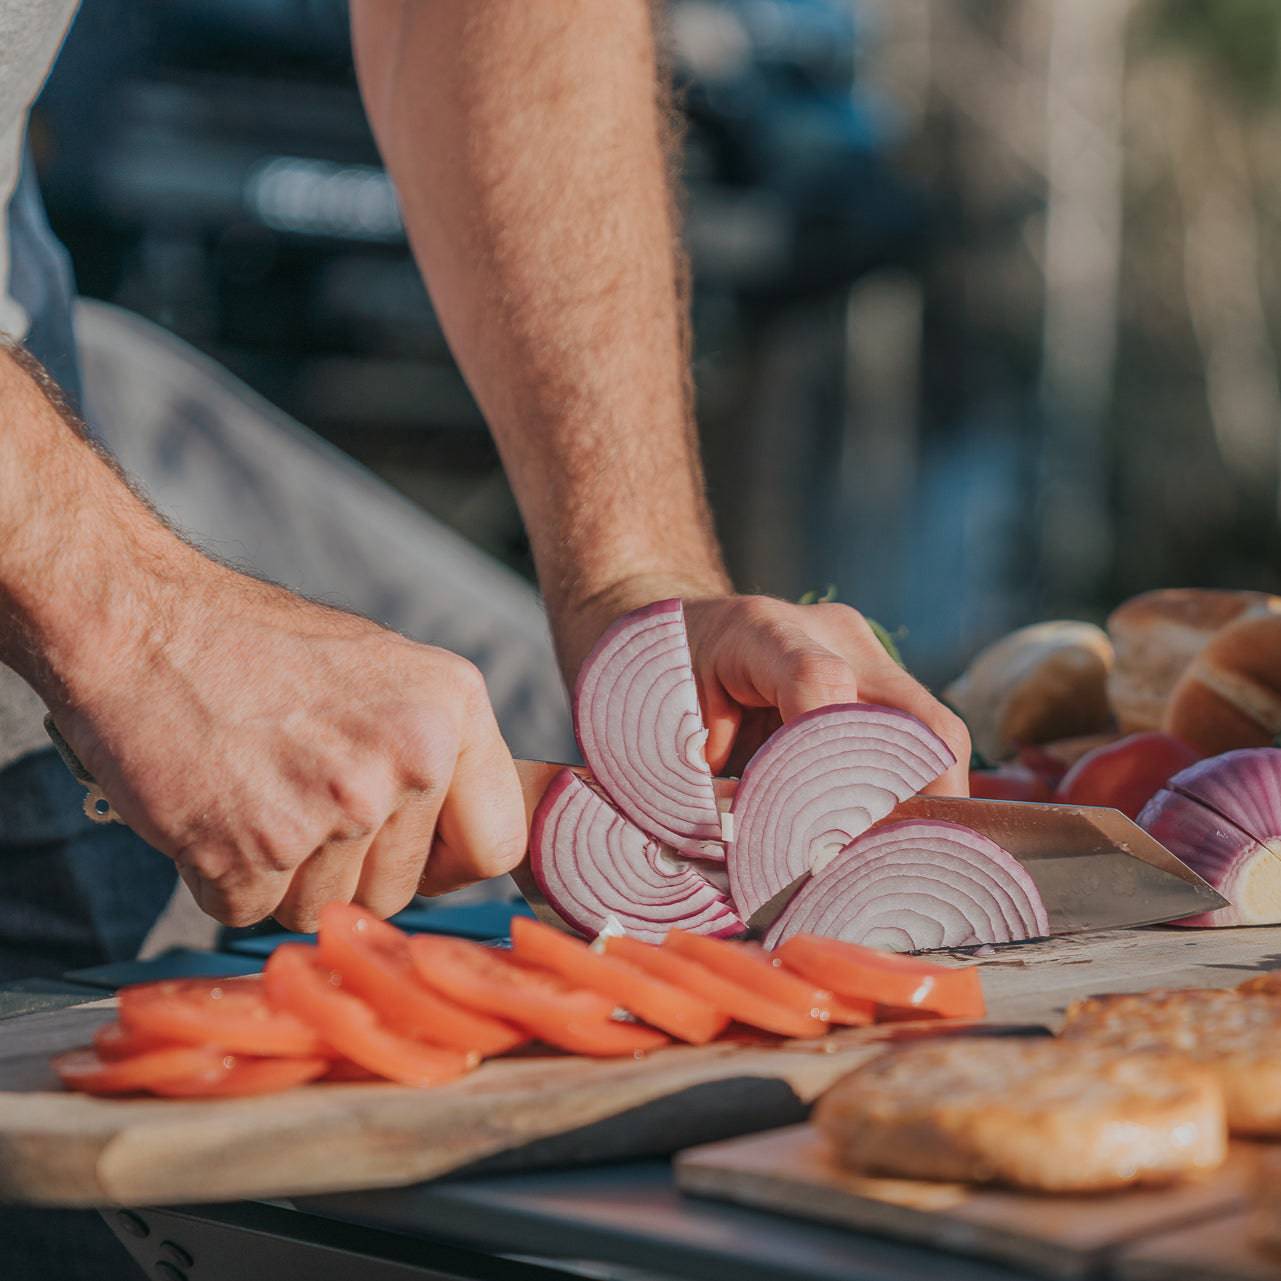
x=579 y=619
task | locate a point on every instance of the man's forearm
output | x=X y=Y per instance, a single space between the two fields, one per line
x=81 y=556
x=527 y=144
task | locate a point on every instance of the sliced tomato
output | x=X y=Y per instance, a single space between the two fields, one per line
x=345 y=1071
x=234 y=1016
x=739 y=1002
x=89 y=1072
x=677 y=1011
x=298 y=983
x=373 y=959
x=540 y=1002
x=244 y=1077
x=905 y=982
x=115 y=1041
x=1011 y=782
x=750 y=966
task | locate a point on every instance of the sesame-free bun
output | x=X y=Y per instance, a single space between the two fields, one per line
x=1230 y=695
x=1038 y=684
x=1157 y=635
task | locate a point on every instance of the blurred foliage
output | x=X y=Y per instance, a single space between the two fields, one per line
x=1238 y=40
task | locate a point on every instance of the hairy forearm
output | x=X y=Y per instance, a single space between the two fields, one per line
x=527 y=144
x=81 y=557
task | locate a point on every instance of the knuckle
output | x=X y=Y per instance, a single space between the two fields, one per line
x=758 y=610
x=362 y=801
x=280 y=846
x=955 y=733
x=465 y=677
x=504 y=853
x=842 y=615
x=818 y=668
x=238 y=914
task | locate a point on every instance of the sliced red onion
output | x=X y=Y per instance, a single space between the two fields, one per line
x=918 y=884
x=591 y=864
x=819 y=783
x=641 y=732
x=1246 y=871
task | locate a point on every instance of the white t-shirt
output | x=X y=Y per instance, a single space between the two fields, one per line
x=31 y=32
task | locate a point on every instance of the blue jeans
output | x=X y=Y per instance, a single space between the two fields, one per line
x=72 y=892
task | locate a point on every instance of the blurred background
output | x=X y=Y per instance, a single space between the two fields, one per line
x=986 y=292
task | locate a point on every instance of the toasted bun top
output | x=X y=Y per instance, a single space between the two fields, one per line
x=1199 y=609
x=1039 y=683
x=1250 y=648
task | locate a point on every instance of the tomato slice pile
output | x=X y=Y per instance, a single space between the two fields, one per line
x=373 y=959
x=540 y=1002
x=367 y=1003
x=676 y=1010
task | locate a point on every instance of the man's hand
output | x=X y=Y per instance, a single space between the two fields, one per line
x=761 y=661
x=286 y=755
x=283 y=754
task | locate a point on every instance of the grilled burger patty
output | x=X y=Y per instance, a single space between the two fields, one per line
x=1236 y=1036
x=1051 y=1115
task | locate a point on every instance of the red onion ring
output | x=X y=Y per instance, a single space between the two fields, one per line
x=591 y=864
x=819 y=783
x=640 y=729
x=918 y=884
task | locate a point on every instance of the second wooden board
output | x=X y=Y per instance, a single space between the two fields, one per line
x=790 y=1171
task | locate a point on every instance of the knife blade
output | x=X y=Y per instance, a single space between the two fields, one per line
x=1096 y=869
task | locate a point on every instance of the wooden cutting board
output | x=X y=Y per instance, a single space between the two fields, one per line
x=66 y=1149
x=789 y=1171
x=1221 y=1249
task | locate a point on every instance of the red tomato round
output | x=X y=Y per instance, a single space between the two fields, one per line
x=231 y=1014
x=1126 y=774
x=1009 y=783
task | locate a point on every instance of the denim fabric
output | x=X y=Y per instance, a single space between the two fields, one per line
x=72 y=892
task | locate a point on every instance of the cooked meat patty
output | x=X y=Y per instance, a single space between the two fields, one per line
x=1268 y=984
x=1051 y=1115
x=1235 y=1036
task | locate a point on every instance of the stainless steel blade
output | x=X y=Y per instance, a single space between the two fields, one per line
x=1095 y=868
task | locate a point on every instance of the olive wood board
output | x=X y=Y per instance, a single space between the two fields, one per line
x=1220 y=1249
x=59 y=1148
x=791 y=1172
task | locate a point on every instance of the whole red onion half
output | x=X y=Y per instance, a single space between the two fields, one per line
x=641 y=732
x=916 y=884
x=1222 y=817
x=817 y=784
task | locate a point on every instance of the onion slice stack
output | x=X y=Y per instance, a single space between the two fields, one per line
x=916 y=884
x=819 y=783
x=1222 y=817
x=644 y=846
x=641 y=732
x=592 y=865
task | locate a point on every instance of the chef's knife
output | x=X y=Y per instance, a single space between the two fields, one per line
x=1095 y=868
